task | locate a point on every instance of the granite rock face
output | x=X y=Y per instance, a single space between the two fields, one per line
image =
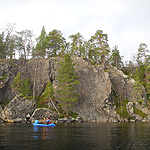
x=40 y=71
x=5 y=73
x=124 y=86
x=96 y=89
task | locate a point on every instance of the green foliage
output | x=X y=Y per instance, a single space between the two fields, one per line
x=3 y=78
x=26 y=88
x=24 y=42
x=122 y=110
x=20 y=86
x=40 y=50
x=61 y=116
x=99 y=46
x=77 y=44
x=138 y=89
x=73 y=114
x=140 y=113
x=2 y=46
x=4 y=103
x=55 y=43
x=17 y=83
x=39 y=102
x=48 y=95
x=115 y=58
x=147 y=80
x=67 y=79
x=139 y=75
x=142 y=53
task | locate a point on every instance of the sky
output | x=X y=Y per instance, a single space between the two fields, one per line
x=126 y=22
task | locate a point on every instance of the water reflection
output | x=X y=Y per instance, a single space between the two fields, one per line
x=85 y=136
x=131 y=136
x=43 y=132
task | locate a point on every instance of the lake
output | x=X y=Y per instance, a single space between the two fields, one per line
x=76 y=136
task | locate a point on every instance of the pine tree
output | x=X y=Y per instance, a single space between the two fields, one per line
x=101 y=41
x=55 y=43
x=142 y=52
x=77 y=44
x=115 y=58
x=67 y=79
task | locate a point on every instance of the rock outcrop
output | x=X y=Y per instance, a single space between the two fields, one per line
x=41 y=113
x=18 y=109
x=97 y=89
x=4 y=79
x=124 y=86
x=94 y=88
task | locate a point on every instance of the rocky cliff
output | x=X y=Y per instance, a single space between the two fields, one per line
x=98 y=88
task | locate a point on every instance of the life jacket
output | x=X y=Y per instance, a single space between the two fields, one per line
x=48 y=121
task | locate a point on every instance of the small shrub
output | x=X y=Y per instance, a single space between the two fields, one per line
x=3 y=78
x=73 y=114
x=4 y=103
x=122 y=111
x=61 y=116
x=140 y=113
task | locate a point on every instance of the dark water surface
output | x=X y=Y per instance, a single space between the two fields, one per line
x=84 y=136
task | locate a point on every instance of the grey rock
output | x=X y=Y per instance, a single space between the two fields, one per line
x=96 y=88
x=1 y=108
x=19 y=107
x=39 y=113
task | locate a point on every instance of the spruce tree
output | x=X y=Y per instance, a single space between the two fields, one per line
x=25 y=90
x=147 y=79
x=17 y=83
x=21 y=86
x=67 y=79
x=48 y=95
x=40 y=50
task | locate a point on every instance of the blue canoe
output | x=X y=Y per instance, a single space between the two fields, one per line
x=36 y=123
x=44 y=125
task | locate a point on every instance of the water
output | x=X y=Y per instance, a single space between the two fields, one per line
x=84 y=136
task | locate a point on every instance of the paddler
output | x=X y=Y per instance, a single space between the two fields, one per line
x=48 y=121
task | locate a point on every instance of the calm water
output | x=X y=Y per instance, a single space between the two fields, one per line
x=84 y=136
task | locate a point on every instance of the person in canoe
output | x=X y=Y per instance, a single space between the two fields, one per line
x=48 y=121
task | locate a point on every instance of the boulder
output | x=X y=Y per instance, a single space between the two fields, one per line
x=130 y=108
x=79 y=119
x=41 y=113
x=19 y=107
